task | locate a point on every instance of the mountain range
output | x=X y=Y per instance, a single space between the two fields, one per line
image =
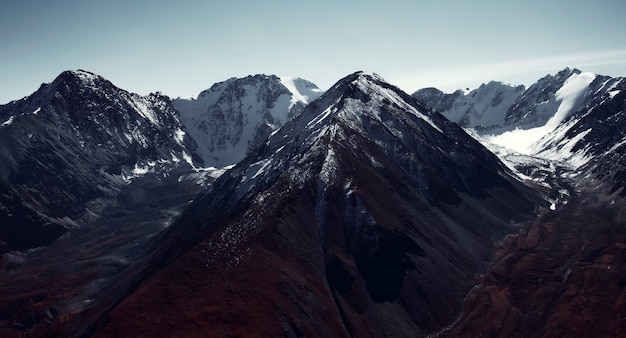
x=265 y=206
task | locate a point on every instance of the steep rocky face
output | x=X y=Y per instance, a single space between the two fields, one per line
x=495 y=108
x=366 y=215
x=89 y=173
x=485 y=106
x=563 y=274
x=233 y=117
x=538 y=103
x=69 y=148
x=593 y=129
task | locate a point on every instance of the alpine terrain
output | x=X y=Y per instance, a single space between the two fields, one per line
x=90 y=173
x=563 y=275
x=265 y=206
x=233 y=117
x=365 y=215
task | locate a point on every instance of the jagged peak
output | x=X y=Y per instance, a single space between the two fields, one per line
x=561 y=75
x=80 y=74
x=237 y=81
x=361 y=96
x=569 y=71
x=494 y=83
x=300 y=82
x=301 y=89
x=360 y=76
x=81 y=78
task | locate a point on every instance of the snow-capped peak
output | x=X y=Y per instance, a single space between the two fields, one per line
x=486 y=105
x=235 y=116
x=301 y=90
x=86 y=76
x=374 y=85
x=566 y=101
x=363 y=117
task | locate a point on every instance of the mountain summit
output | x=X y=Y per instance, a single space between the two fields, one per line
x=72 y=146
x=234 y=116
x=366 y=214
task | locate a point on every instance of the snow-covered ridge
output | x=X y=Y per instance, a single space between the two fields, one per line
x=235 y=116
x=367 y=83
x=301 y=90
x=86 y=77
x=486 y=105
x=567 y=100
x=548 y=120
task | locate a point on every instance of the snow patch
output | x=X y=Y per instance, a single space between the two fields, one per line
x=386 y=93
x=259 y=167
x=329 y=167
x=188 y=159
x=569 y=96
x=563 y=151
x=617 y=145
x=321 y=117
x=8 y=122
x=296 y=96
x=613 y=93
x=179 y=135
x=143 y=110
x=140 y=170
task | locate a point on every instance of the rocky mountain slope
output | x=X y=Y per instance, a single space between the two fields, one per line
x=563 y=274
x=360 y=212
x=496 y=107
x=90 y=173
x=366 y=215
x=486 y=105
x=562 y=121
x=70 y=149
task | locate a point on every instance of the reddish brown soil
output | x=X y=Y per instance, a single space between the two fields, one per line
x=564 y=277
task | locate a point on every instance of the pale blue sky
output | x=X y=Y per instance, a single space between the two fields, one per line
x=183 y=47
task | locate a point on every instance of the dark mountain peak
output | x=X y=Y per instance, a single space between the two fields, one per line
x=80 y=78
x=236 y=84
x=555 y=79
x=73 y=85
x=359 y=84
x=361 y=101
x=80 y=73
x=362 y=78
x=567 y=71
x=366 y=197
x=432 y=91
x=363 y=119
x=71 y=138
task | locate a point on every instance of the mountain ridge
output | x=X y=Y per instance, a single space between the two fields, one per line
x=306 y=205
x=572 y=138
x=234 y=116
x=361 y=183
